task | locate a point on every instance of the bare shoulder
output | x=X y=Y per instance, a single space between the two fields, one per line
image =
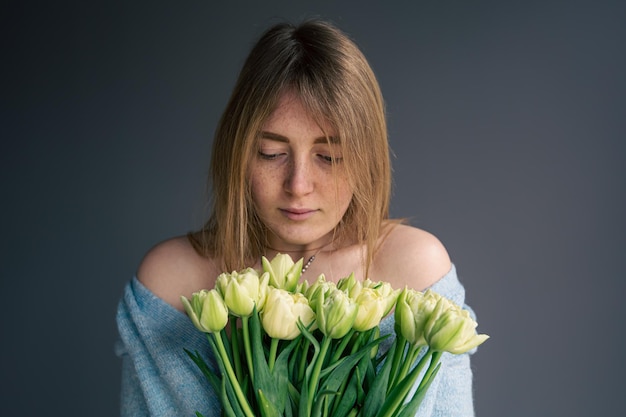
x=173 y=268
x=411 y=257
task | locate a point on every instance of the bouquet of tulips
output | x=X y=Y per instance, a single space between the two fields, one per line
x=287 y=348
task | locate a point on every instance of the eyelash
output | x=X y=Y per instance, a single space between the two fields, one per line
x=330 y=159
x=269 y=156
x=325 y=158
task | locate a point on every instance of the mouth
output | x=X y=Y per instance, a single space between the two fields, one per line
x=298 y=213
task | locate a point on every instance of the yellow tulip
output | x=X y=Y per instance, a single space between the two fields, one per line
x=320 y=286
x=452 y=329
x=284 y=273
x=243 y=290
x=413 y=309
x=207 y=310
x=346 y=284
x=384 y=290
x=335 y=313
x=282 y=311
x=371 y=309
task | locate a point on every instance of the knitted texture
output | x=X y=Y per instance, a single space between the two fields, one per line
x=159 y=379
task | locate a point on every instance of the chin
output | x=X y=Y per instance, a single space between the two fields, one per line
x=294 y=238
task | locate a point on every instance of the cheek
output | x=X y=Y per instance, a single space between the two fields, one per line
x=261 y=184
x=254 y=182
x=258 y=188
x=344 y=195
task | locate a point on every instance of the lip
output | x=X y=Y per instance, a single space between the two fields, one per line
x=297 y=213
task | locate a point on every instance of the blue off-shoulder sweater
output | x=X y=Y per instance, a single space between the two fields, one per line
x=159 y=379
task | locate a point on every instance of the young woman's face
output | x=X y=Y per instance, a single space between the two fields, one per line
x=299 y=195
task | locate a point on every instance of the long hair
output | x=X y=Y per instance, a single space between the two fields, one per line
x=336 y=85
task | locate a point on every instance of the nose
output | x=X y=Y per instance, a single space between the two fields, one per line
x=299 y=179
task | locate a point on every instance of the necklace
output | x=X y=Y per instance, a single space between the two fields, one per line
x=308 y=264
x=310 y=261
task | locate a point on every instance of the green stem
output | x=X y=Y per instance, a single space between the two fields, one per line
x=315 y=375
x=344 y=383
x=408 y=362
x=397 y=357
x=246 y=345
x=273 y=349
x=361 y=338
x=434 y=360
x=342 y=346
x=234 y=337
x=303 y=359
x=231 y=375
x=390 y=409
x=353 y=412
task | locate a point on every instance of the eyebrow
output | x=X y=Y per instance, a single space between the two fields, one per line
x=280 y=138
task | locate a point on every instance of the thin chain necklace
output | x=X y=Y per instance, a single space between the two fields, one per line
x=311 y=259
x=308 y=263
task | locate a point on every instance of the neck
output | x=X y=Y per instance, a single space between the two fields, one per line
x=303 y=251
x=295 y=254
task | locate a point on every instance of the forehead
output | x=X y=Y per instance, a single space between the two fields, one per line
x=291 y=116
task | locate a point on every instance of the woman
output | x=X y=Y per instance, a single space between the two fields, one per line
x=300 y=165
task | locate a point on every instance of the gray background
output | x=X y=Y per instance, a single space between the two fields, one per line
x=506 y=118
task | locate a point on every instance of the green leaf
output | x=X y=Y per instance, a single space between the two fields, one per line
x=229 y=400
x=297 y=360
x=348 y=398
x=361 y=370
x=342 y=370
x=378 y=389
x=226 y=341
x=294 y=394
x=316 y=347
x=303 y=408
x=410 y=409
x=321 y=399
x=267 y=407
x=398 y=394
x=370 y=374
x=280 y=374
x=266 y=388
x=290 y=406
x=227 y=404
x=206 y=371
x=399 y=348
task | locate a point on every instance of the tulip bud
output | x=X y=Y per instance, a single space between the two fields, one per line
x=242 y=291
x=413 y=309
x=207 y=310
x=284 y=273
x=347 y=284
x=452 y=329
x=264 y=287
x=371 y=309
x=319 y=286
x=302 y=287
x=384 y=290
x=282 y=312
x=335 y=313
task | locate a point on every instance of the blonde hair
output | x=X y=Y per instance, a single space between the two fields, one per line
x=334 y=82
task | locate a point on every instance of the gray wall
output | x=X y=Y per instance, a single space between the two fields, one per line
x=506 y=118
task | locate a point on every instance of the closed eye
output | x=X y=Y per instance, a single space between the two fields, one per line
x=329 y=159
x=269 y=156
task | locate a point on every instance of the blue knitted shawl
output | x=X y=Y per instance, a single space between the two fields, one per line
x=159 y=379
